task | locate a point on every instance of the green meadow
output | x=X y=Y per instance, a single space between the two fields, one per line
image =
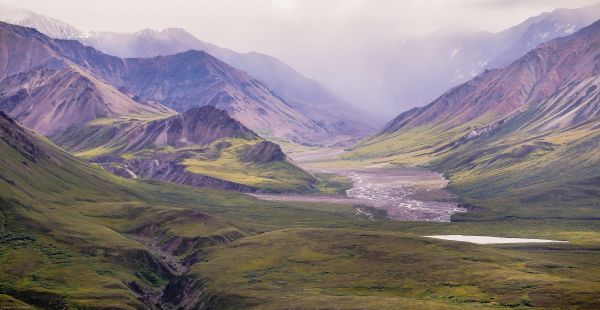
x=74 y=236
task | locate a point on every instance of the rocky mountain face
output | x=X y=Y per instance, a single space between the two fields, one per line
x=179 y=81
x=572 y=105
x=302 y=93
x=49 y=101
x=195 y=78
x=198 y=126
x=24 y=49
x=166 y=167
x=498 y=93
x=18 y=138
x=262 y=152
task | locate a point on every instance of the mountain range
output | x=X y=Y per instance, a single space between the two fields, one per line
x=102 y=158
x=338 y=117
x=106 y=109
x=161 y=79
x=396 y=75
x=458 y=56
x=413 y=70
x=526 y=133
x=202 y=147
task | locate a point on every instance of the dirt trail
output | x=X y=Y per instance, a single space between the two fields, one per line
x=409 y=194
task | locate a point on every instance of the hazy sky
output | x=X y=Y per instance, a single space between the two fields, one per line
x=283 y=27
x=303 y=33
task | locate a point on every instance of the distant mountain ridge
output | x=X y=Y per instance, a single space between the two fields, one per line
x=398 y=76
x=49 y=101
x=524 y=135
x=412 y=71
x=303 y=94
x=44 y=24
x=181 y=81
x=500 y=92
x=428 y=65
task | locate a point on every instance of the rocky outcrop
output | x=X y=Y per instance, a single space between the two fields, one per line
x=166 y=168
x=475 y=133
x=262 y=152
x=17 y=138
x=201 y=125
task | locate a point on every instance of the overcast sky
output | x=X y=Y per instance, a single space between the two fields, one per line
x=304 y=33
x=281 y=27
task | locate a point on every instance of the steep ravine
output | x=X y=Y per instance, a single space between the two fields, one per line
x=171 y=257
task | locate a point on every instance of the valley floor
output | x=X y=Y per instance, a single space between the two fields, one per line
x=400 y=193
x=148 y=244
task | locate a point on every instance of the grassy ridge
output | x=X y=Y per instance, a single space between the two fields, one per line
x=375 y=268
x=220 y=159
x=508 y=172
x=75 y=236
x=279 y=176
x=71 y=232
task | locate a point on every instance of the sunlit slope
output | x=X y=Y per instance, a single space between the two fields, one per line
x=201 y=147
x=546 y=158
x=69 y=229
x=76 y=236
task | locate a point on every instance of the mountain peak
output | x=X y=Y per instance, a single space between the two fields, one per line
x=48 y=100
x=201 y=121
x=47 y=25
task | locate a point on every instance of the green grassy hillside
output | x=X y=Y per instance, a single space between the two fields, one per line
x=509 y=172
x=75 y=236
x=124 y=145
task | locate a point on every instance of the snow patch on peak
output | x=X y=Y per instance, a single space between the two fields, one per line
x=47 y=25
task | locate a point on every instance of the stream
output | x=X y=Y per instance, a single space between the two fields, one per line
x=406 y=194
